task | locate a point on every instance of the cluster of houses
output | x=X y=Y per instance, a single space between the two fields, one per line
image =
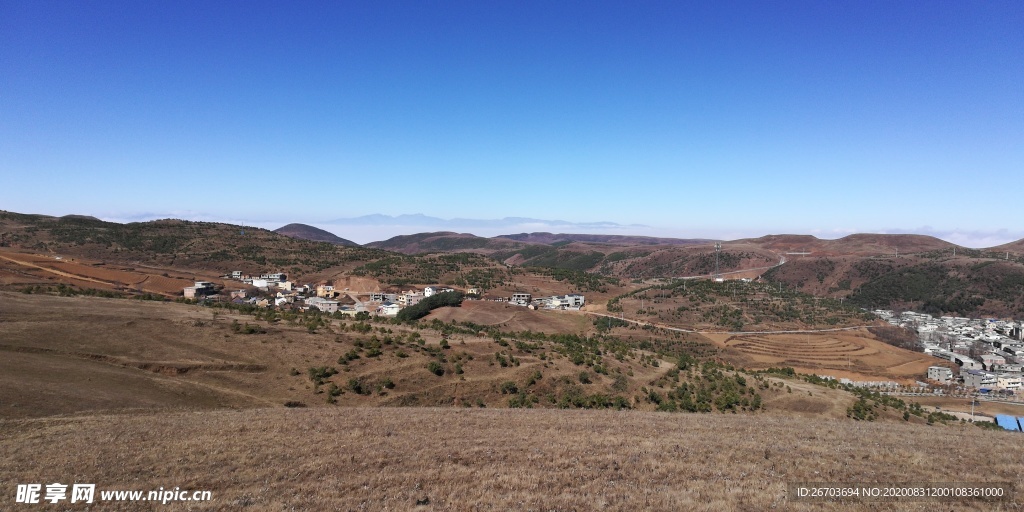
x=276 y=291
x=573 y=301
x=989 y=353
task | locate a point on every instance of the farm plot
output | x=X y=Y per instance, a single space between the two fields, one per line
x=854 y=354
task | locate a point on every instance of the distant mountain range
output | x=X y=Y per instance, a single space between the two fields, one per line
x=434 y=223
x=550 y=239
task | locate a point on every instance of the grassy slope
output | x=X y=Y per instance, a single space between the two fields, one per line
x=376 y=459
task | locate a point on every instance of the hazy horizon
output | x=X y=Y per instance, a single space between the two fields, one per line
x=385 y=226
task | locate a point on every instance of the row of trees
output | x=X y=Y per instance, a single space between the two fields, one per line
x=424 y=307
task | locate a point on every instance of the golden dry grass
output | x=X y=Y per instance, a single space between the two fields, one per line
x=388 y=459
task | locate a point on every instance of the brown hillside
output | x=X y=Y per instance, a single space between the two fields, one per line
x=866 y=244
x=861 y=244
x=1013 y=247
x=21 y=269
x=79 y=354
x=513 y=318
x=177 y=244
x=785 y=242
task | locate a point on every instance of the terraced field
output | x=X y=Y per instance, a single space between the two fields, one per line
x=852 y=354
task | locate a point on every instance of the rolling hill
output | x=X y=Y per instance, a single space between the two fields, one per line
x=170 y=243
x=1016 y=248
x=862 y=244
x=443 y=241
x=307 y=232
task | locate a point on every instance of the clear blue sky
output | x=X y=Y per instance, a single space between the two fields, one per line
x=691 y=117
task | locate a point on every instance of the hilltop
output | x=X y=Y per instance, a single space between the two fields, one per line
x=442 y=241
x=862 y=244
x=307 y=232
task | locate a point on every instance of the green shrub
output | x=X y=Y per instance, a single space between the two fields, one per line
x=436 y=368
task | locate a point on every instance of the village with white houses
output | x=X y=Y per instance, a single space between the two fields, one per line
x=988 y=352
x=275 y=290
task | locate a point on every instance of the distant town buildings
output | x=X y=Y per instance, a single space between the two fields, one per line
x=988 y=352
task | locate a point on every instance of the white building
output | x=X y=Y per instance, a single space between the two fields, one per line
x=521 y=299
x=388 y=309
x=569 y=301
x=274 y=278
x=328 y=306
x=940 y=374
x=432 y=290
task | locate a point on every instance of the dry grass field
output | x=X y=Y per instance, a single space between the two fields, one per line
x=457 y=459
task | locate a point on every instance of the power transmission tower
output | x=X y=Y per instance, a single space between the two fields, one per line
x=718 y=249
